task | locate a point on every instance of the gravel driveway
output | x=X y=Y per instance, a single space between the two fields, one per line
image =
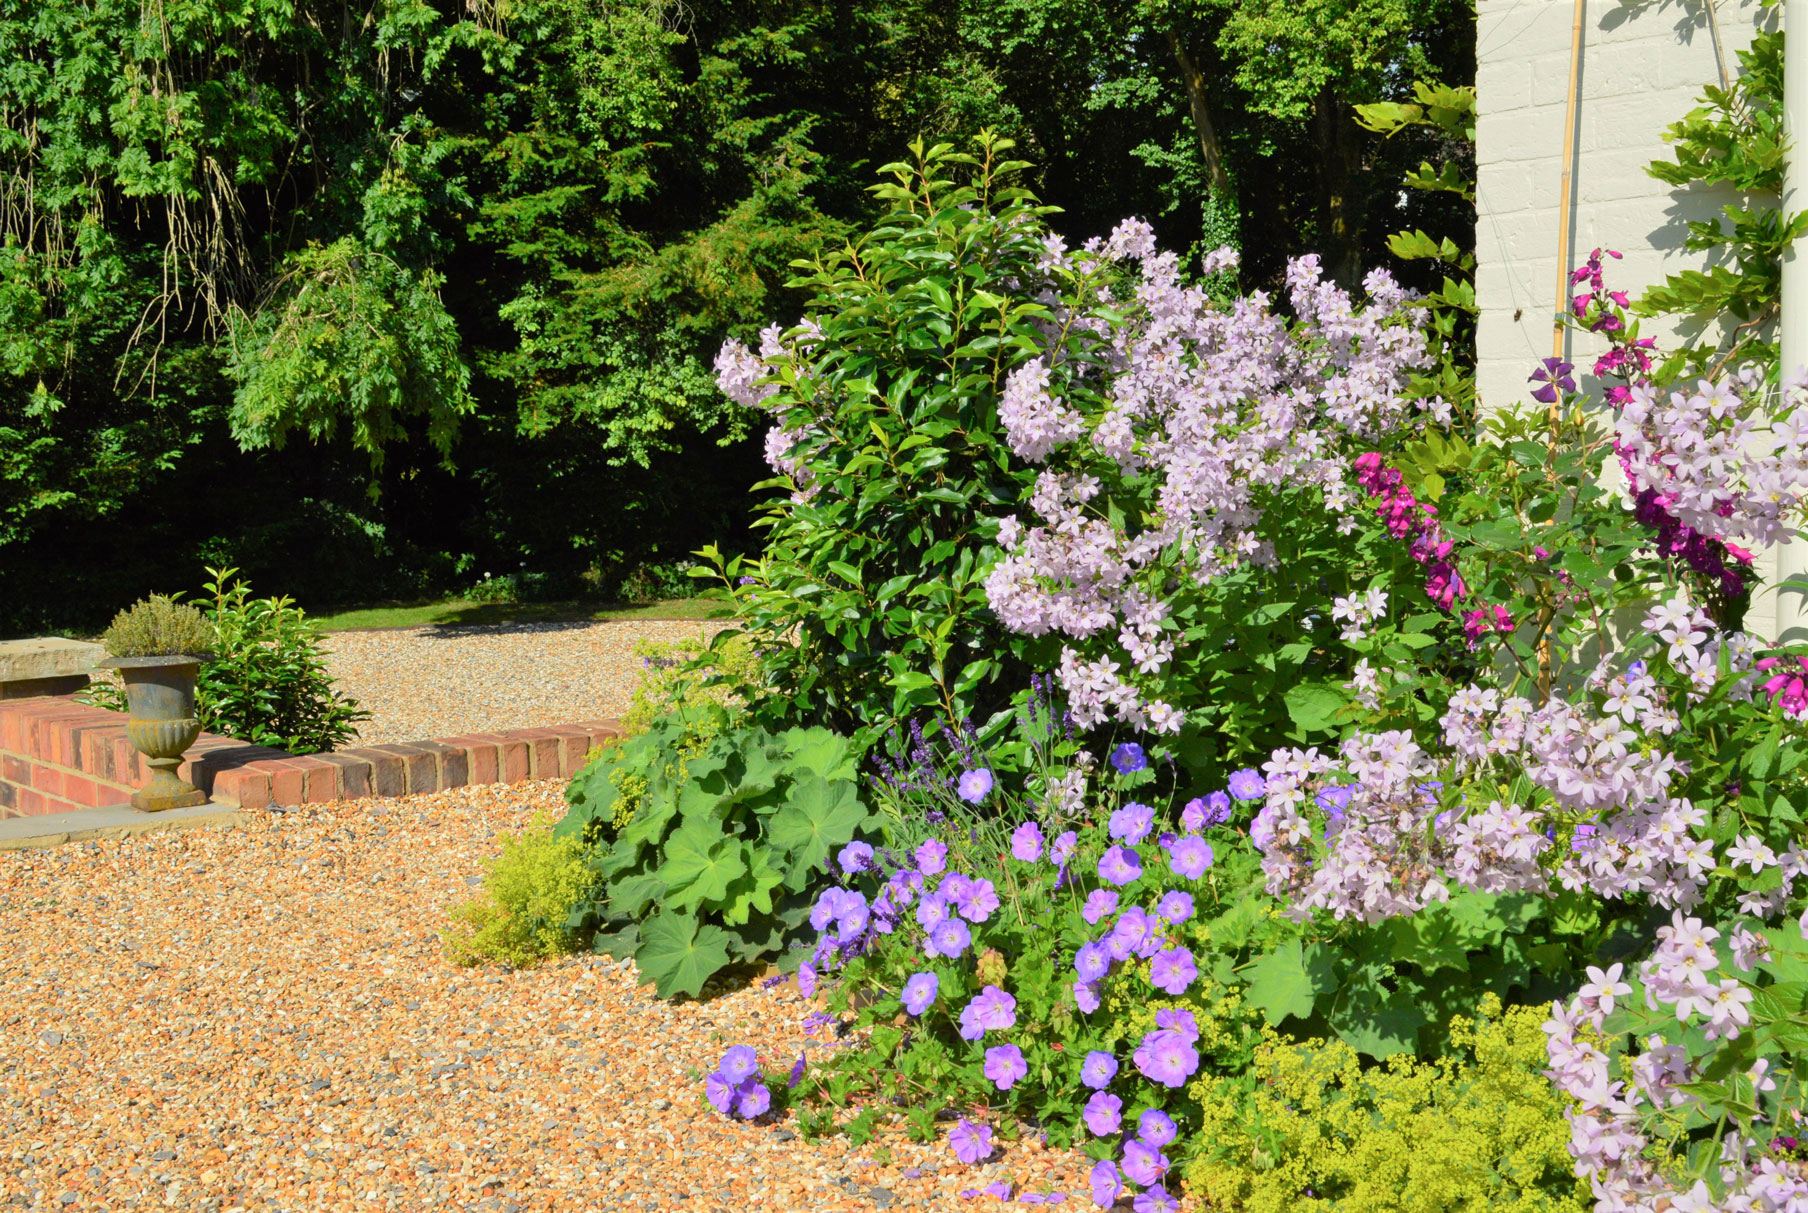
x=262 y=1019
x=427 y=682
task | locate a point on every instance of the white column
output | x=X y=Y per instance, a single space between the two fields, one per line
x=1792 y=558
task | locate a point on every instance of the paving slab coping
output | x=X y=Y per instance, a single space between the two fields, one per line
x=112 y=821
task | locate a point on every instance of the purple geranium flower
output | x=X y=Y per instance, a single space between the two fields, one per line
x=1063 y=849
x=1167 y=1057
x=752 y=1099
x=855 y=857
x=1005 y=1065
x=739 y=1063
x=797 y=1069
x=932 y=857
x=949 y=939
x=1174 y=906
x=1190 y=857
x=1143 y=1163
x=806 y=980
x=1086 y=996
x=1178 y=1021
x=1156 y=1128
x=972 y=1143
x=851 y=922
x=1173 y=970
x=1131 y=823
x=1154 y=1200
x=1103 y=1113
x=1120 y=866
x=1128 y=934
x=1247 y=784
x=1099 y=903
x=932 y=911
x=1217 y=808
x=1106 y=1186
x=1026 y=842
x=1092 y=961
x=920 y=991
x=977 y=899
x=720 y=1092
x=1129 y=758
x=974 y=785
x=1098 y=1069
x=991 y=1010
x=1193 y=816
x=827 y=908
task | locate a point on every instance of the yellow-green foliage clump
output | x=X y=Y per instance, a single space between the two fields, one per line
x=519 y=918
x=1479 y=1131
x=685 y=675
x=158 y=626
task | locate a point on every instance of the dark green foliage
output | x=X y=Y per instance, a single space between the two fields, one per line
x=721 y=857
x=869 y=599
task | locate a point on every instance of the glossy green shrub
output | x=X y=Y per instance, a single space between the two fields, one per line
x=1307 y=1130
x=520 y=916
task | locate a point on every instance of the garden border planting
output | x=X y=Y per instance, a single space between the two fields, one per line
x=57 y=755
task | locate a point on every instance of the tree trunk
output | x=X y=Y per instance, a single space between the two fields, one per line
x=1339 y=222
x=1194 y=80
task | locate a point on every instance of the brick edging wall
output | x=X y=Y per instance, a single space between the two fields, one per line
x=57 y=755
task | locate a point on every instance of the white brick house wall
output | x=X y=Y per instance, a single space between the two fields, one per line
x=1644 y=63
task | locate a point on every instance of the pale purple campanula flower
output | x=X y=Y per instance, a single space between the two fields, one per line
x=974 y=785
x=1026 y=842
x=1005 y=1065
x=1190 y=857
x=1106 y=1186
x=972 y=1143
x=1119 y=866
x=1099 y=903
x=1131 y=823
x=1129 y=758
x=920 y=991
x=1247 y=784
x=1098 y=1069
x=1173 y=970
x=1166 y=1057
x=1103 y=1114
x=1156 y=1128
x=931 y=856
x=1174 y=906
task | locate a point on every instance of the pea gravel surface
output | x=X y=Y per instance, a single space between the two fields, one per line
x=263 y=1019
x=426 y=682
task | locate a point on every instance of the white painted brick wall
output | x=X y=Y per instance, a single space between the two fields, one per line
x=1644 y=63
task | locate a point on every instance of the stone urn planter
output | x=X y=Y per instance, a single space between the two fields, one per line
x=160 y=699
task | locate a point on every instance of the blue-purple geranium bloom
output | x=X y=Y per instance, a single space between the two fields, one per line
x=972 y=1143
x=1086 y=996
x=1063 y=849
x=1129 y=934
x=1103 y=1114
x=920 y=991
x=739 y=1063
x=974 y=785
x=1156 y=1128
x=932 y=857
x=1099 y=904
x=1106 y=1186
x=1026 y=842
x=949 y=939
x=1119 y=866
x=1092 y=961
x=976 y=900
x=1175 y=906
x=1129 y=758
x=1190 y=857
x=933 y=911
x=1131 y=823
x=1143 y=1163
x=992 y=1010
x=1167 y=1057
x=1247 y=784
x=855 y=857
x=1098 y=1069
x=1173 y=970
x=1005 y=1065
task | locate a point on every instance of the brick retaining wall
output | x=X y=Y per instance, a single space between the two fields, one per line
x=57 y=755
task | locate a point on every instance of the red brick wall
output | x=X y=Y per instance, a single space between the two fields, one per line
x=57 y=755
